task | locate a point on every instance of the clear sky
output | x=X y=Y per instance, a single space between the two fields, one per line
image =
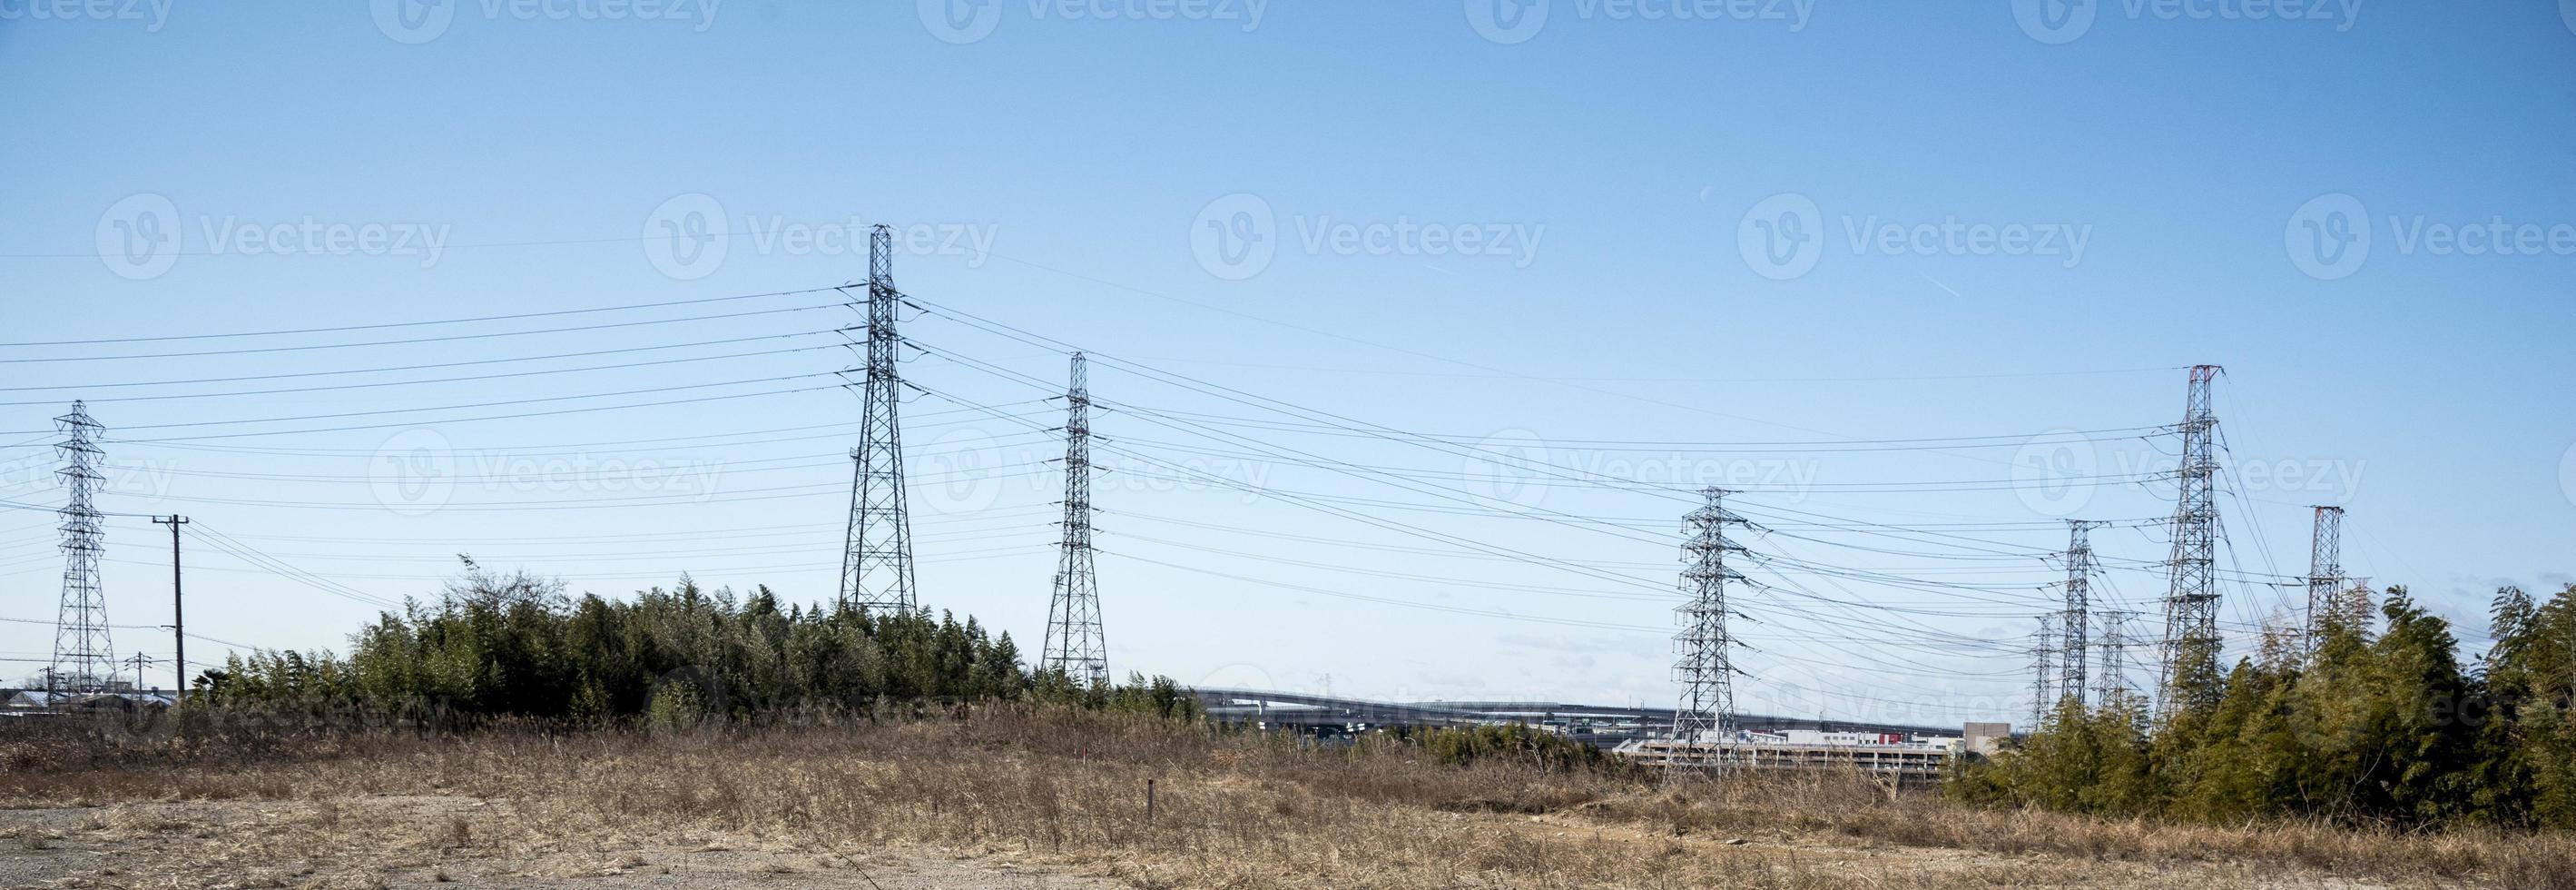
x=1646 y=240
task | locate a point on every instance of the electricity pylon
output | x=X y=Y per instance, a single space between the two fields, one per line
x=1075 y=644
x=2191 y=643
x=2073 y=624
x=1707 y=666
x=876 y=561
x=84 y=660
x=2325 y=574
x=2041 y=679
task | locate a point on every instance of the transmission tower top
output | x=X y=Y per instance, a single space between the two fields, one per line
x=881 y=256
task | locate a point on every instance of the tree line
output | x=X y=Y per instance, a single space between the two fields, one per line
x=2356 y=725
x=513 y=645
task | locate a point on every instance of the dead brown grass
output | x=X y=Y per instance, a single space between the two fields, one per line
x=1067 y=789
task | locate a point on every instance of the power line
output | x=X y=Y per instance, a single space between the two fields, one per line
x=481 y=377
x=413 y=341
x=412 y=324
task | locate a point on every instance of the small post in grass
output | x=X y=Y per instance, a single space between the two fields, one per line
x=1149 y=801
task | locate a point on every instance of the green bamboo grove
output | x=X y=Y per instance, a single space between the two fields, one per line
x=496 y=645
x=2383 y=727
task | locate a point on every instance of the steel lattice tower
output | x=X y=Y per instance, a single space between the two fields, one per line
x=876 y=564
x=2325 y=573
x=1707 y=666
x=2078 y=618
x=2040 y=672
x=1074 y=643
x=2357 y=603
x=83 y=659
x=2112 y=670
x=2191 y=643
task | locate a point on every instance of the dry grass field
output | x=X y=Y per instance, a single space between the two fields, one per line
x=1027 y=798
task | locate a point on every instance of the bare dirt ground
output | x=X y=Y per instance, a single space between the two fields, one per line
x=408 y=842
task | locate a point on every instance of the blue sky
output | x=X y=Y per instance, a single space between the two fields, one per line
x=2008 y=220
